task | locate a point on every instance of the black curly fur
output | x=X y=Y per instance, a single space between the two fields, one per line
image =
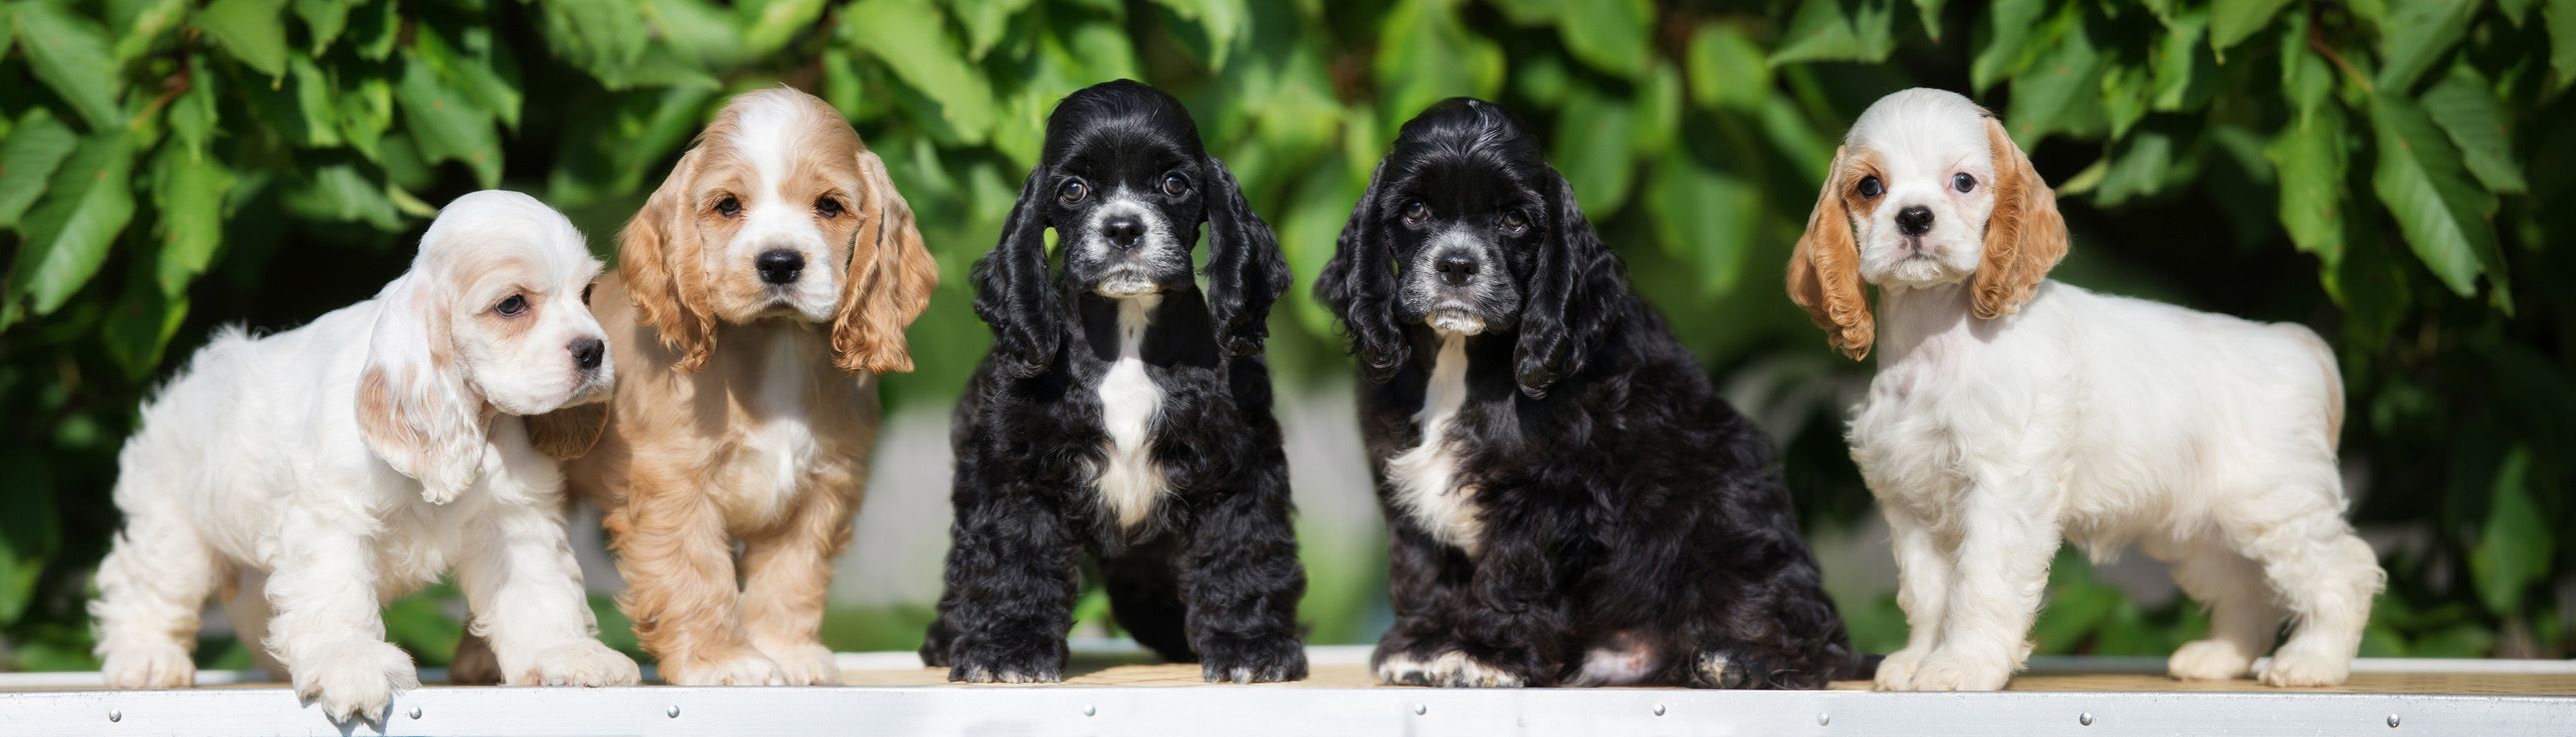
x=1212 y=576
x=1620 y=499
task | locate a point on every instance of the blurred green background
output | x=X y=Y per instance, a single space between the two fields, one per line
x=2387 y=171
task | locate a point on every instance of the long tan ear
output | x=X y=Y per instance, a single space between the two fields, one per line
x=568 y=433
x=415 y=409
x=889 y=283
x=2024 y=238
x=658 y=256
x=1824 y=273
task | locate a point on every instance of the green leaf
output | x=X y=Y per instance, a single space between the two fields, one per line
x=2310 y=161
x=1705 y=218
x=2061 y=92
x=8 y=32
x=1659 y=110
x=2186 y=76
x=374 y=28
x=1727 y=69
x=2561 y=18
x=447 y=125
x=366 y=111
x=2416 y=36
x=340 y=192
x=985 y=22
x=1596 y=161
x=1929 y=12
x=2018 y=36
x=253 y=31
x=476 y=67
x=139 y=326
x=770 y=24
x=1609 y=35
x=1827 y=31
x=2515 y=11
x=604 y=37
x=2516 y=544
x=2467 y=109
x=1426 y=54
x=2142 y=165
x=69 y=53
x=2304 y=74
x=189 y=192
x=144 y=24
x=37 y=144
x=193 y=116
x=1221 y=20
x=2442 y=213
x=324 y=19
x=88 y=204
x=2233 y=21
x=2127 y=91
x=911 y=38
x=315 y=103
x=29 y=529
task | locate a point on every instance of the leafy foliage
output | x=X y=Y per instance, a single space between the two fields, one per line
x=2371 y=168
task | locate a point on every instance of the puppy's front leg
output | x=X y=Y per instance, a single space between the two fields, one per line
x=329 y=628
x=1922 y=590
x=1514 y=629
x=524 y=588
x=680 y=590
x=787 y=576
x=1426 y=586
x=1242 y=581
x=1011 y=573
x=2010 y=535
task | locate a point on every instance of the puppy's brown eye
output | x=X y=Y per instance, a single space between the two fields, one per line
x=728 y=207
x=1072 y=191
x=1175 y=186
x=1964 y=182
x=515 y=305
x=1870 y=189
x=1515 y=222
x=827 y=207
x=1416 y=212
x=585 y=293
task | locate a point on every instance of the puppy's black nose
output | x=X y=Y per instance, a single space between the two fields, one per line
x=1916 y=220
x=1123 y=231
x=1456 y=269
x=780 y=266
x=587 y=353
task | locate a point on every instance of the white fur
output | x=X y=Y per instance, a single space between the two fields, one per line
x=252 y=461
x=785 y=440
x=1160 y=243
x=772 y=134
x=1131 y=482
x=1426 y=476
x=2093 y=419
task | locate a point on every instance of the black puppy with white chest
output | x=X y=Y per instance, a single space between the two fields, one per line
x=1568 y=499
x=1123 y=412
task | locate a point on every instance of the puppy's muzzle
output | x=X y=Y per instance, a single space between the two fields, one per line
x=1457 y=270
x=1123 y=231
x=588 y=354
x=1914 y=221
x=779 y=266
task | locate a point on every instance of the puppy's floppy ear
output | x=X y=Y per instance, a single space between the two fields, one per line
x=1011 y=290
x=1824 y=272
x=888 y=283
x=1245 y=271
x=1358 y=285
x=2025 y=236
x=568 y=433
x=415 y=410
x=1574 y=296
x=658 y=256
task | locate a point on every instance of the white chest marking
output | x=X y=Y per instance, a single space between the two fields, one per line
x=784 y=442
x=1426 y=477
x=1131 y=482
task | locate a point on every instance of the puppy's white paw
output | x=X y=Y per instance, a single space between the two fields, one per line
x=807 y=664
x=1403 y=669
x=580 y=663
x=743 y=667
x=1938 y=673
x=2209 y=660
x=151 y=665
x=1455 y=670
x=2304 y=667
x=1896 y=673
x=355 y=680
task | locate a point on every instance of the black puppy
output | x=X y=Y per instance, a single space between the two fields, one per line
x=1569 y=500
x=1124 y=413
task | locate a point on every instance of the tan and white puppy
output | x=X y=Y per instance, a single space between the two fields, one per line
x=360 y=457
x=2011 y=412
x=761 y=290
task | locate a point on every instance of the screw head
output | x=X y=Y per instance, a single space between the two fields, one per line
x=1421 y=709
x=415 y=712
x=1090 y=710
x=2085 y=719
x=1659 y=710
x=1823 y=719
x=2392 y=721
x=674 y=711
x=118 y=715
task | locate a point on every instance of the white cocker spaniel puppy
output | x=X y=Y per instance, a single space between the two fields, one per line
x=311 y=475
x=2011 y=413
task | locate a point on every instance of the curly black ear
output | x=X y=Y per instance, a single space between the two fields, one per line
x=1358 y=285
x=1011 y=290
x=1574 y=296
x=1245 y=271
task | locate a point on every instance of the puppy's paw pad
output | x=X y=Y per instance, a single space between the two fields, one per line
x=1256 y=662
x=1455 y=670
x=1952 y=674
x=2209 y=660
x=807 y=664
x=746 y=667
x=356 y=680
x=157 y=665
x=584 y=663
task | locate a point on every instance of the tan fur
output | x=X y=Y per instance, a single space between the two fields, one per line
x=2025 y=237
x=658 y=253
x=1824 y=273
x=890 y=280
x=569 y=432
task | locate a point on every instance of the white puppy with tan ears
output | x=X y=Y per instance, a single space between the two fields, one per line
x=310 y=475
x=2010 y=413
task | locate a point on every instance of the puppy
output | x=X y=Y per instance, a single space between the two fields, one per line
x=761 y=290
x=2011 y=412
x=1568 y=500
x=358 y=458
x=1123 y=412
